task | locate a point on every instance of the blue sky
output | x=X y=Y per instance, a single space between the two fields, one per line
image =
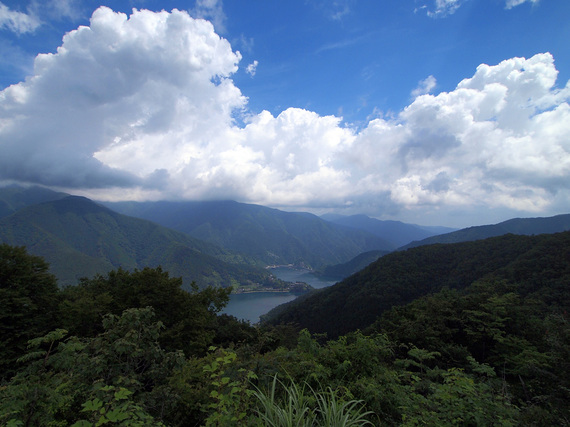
x=442 y=112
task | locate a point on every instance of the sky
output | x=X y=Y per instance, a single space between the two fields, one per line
x=434 y=112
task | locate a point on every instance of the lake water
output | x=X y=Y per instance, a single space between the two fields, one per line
x=251 y=306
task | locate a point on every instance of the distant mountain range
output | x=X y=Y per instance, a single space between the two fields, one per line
x=522 y=226
x=396 y=232
x=214 y=242
x=269 y=235
x=80 y=238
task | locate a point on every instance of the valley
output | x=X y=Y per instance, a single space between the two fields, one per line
x=251 y=306
x=475 y=318
x=285 y=213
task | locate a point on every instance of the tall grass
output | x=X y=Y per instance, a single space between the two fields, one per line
x=295 y=407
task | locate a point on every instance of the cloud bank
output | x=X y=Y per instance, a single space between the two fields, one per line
x=145 y=107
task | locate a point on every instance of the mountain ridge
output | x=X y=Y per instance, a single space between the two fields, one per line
x=519 y=226
x=270 y=235
x=79 y=237
x=402 y=276
x=15 y=197
x=396 y=232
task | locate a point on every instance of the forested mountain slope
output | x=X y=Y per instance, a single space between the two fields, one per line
x=134 y=348
x=523 y=226
x=270 y=235
x=80 y=238
x=359 y=262
x=400 y=277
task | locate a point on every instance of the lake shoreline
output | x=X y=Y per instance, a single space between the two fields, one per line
x=250 y=303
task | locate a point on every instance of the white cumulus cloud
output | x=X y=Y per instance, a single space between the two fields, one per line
x=252 y=68
x=123 y=91
x=425 y=86
x=144 y=107
x=499 y=139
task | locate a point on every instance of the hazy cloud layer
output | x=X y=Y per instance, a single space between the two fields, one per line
x=213 y=11
x=144 y=106
x=29 y=21
x=18 y=22
x=443 y=8
x=512 y=3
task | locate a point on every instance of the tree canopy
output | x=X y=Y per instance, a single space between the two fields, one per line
x=134 y=348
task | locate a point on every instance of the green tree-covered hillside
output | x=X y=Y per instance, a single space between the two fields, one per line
x=359 y=262
x=400 y=277
x=133 y=348
x=269 y=235
x=80 y=238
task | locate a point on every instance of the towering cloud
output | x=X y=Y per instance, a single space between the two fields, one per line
x=144 y=106
x=499 y=139
x=140 y=87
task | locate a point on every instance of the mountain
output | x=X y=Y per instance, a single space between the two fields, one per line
x=15 y=197
x=80 y=238
x=522 y=226
x=396 y=232
x=270 y=235
x=400 y=277
x=340 y=271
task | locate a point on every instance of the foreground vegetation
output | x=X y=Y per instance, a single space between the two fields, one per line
x=133 y=348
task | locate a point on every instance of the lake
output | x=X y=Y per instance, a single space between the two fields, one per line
x=251 y=306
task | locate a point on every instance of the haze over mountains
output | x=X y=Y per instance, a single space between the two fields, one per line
x=80 y=238
x=270 y=235
x=396 y=232
x=222 y=243
x=14 y=197
x=524 y=226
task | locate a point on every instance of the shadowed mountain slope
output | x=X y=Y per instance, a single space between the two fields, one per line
x=269 y=235
x=522 y=226
x=340 y=271
x=79 y=238
x=400 y=277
